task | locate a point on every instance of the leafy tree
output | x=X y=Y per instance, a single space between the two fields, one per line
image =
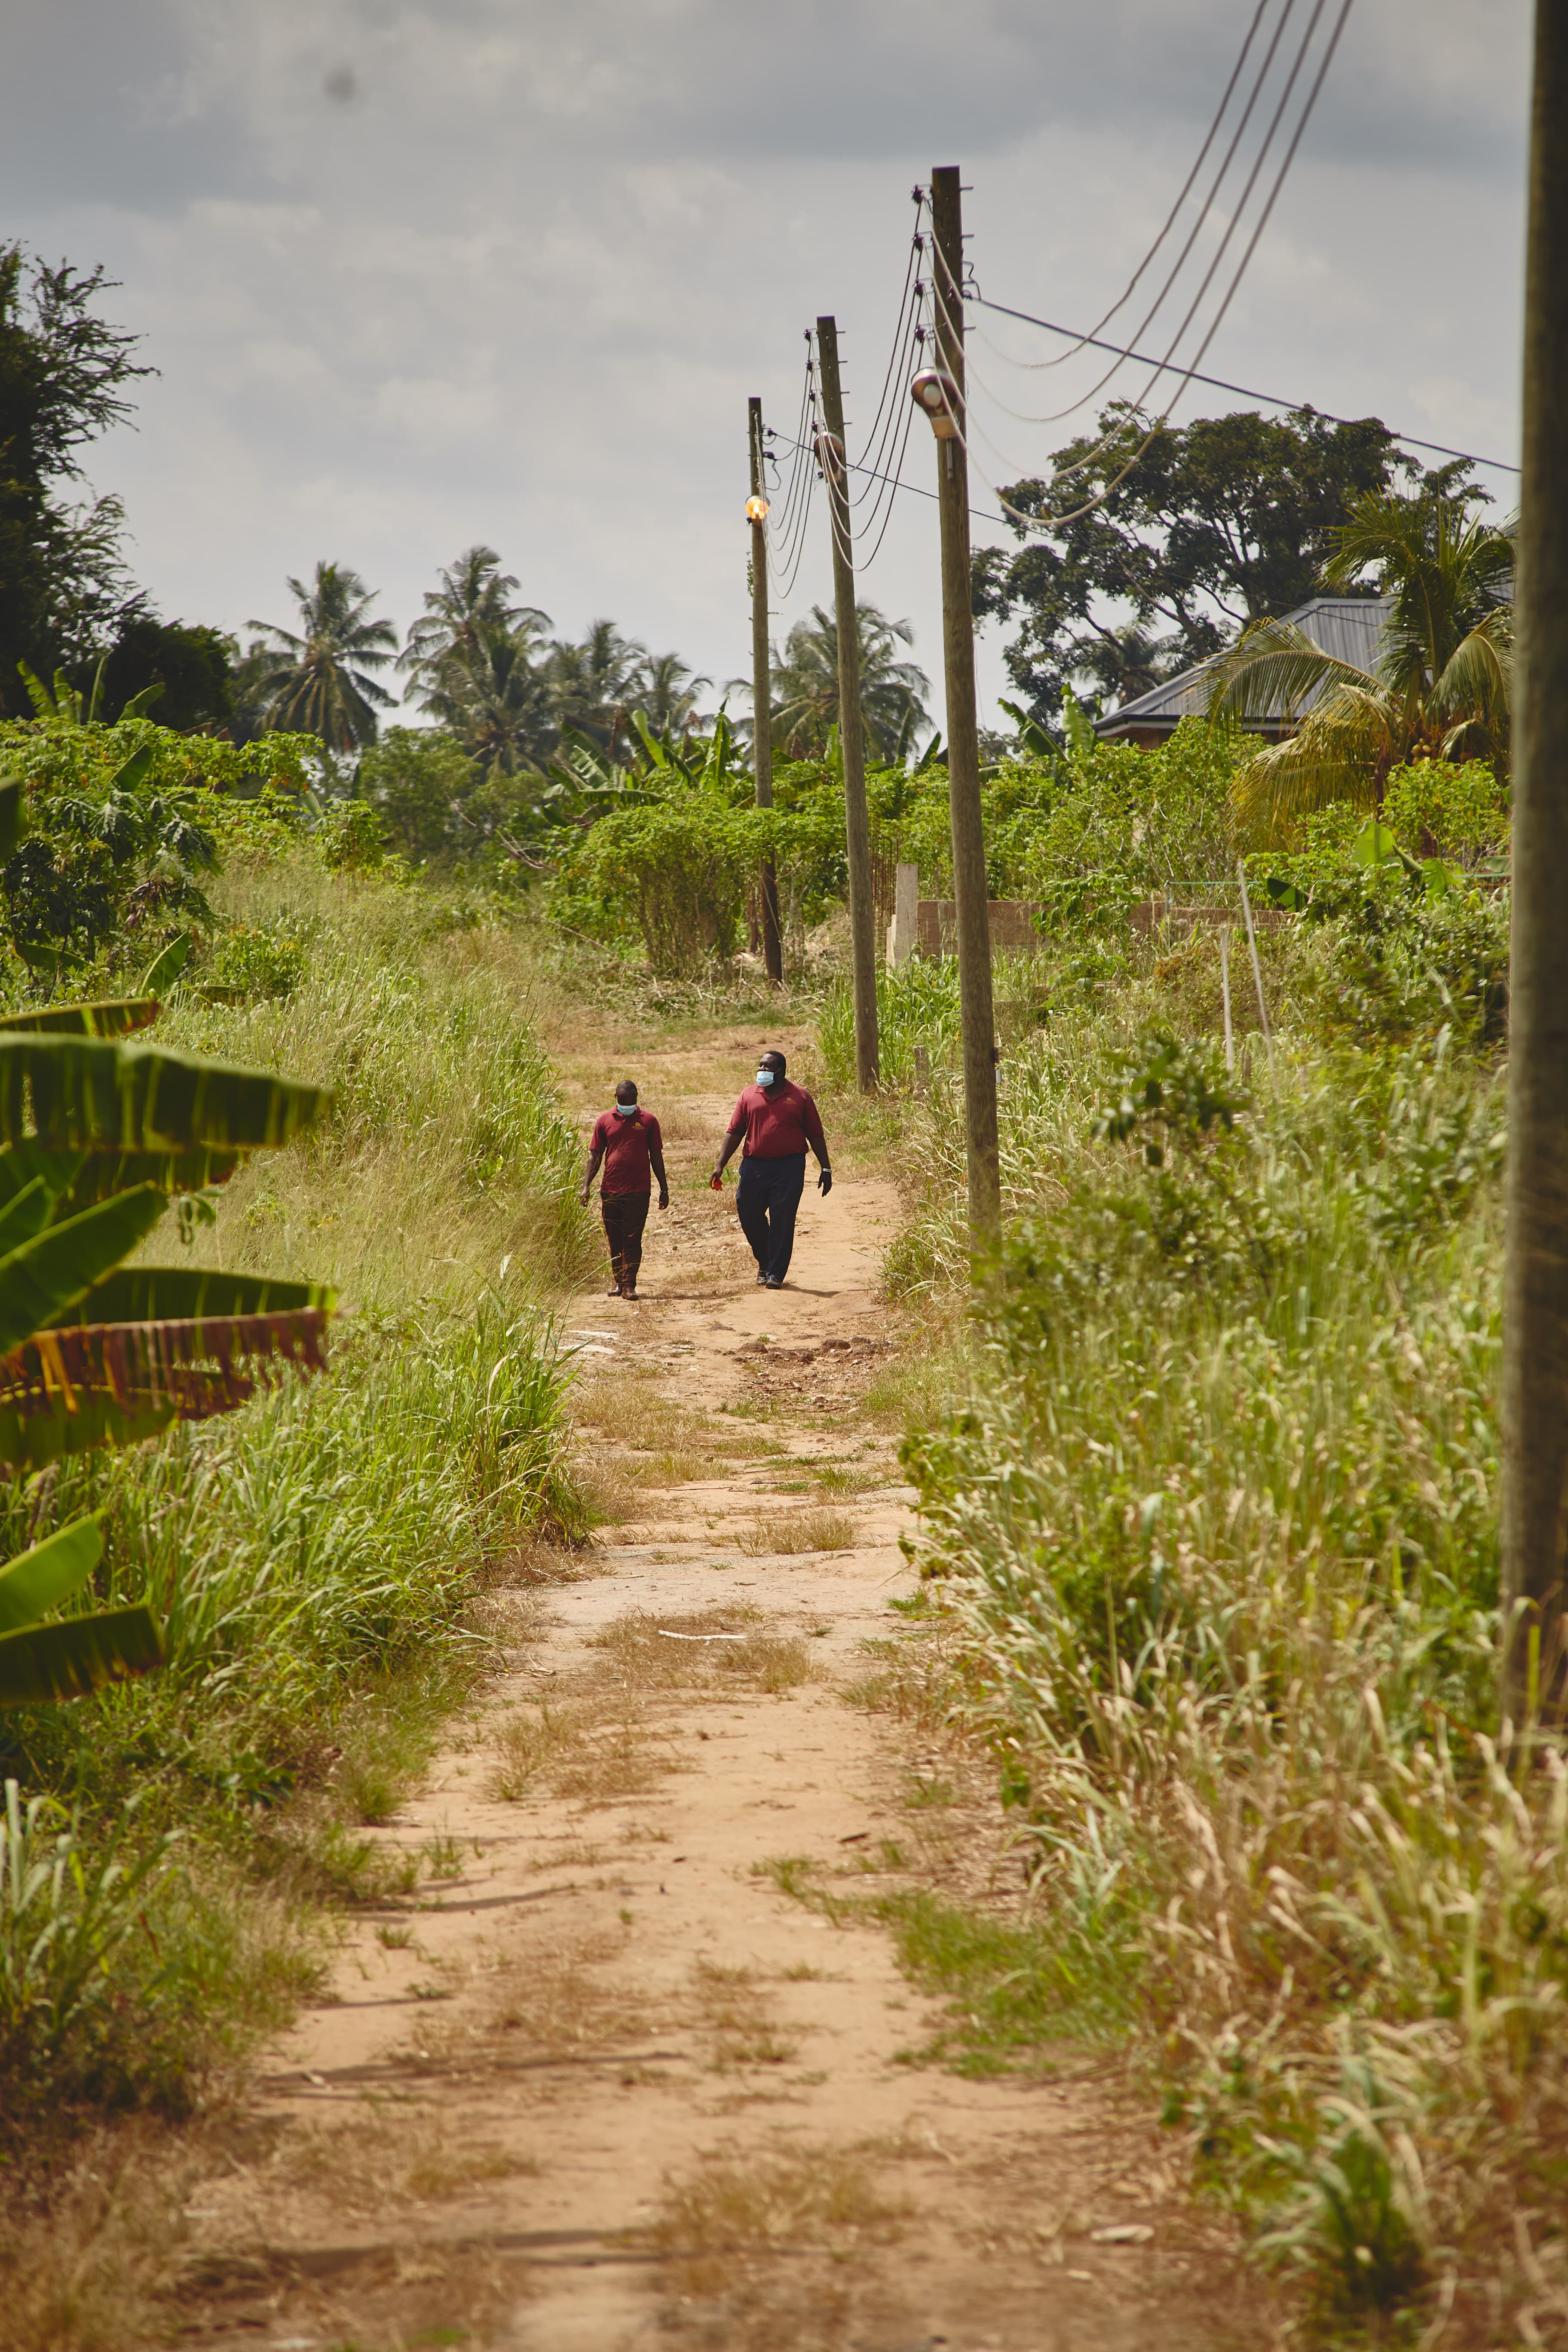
x=416 y=779
x=1220 y=524
x=1443 y=686
x=804 y=685
x=190 y=666
x=319 y=682
x=62 y=377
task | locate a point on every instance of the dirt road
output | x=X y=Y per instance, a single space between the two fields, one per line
x=634 y=2062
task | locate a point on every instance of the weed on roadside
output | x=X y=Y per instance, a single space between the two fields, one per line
x=1012 y=1988
x=728 y=2204
x=378 y=2158
x=784 y=1533
x=93 y=2242
x=736 y=2016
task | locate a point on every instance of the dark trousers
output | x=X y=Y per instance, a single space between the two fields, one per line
x=766 y=1198
x=625 y=1216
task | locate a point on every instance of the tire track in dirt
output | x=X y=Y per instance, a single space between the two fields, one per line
x=600 y=2081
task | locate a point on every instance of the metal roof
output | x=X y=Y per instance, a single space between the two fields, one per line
x=1348 y=628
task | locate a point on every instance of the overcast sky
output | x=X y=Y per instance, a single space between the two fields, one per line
x=422 y=272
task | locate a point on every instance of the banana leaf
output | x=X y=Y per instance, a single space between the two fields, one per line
x=22 y=1164
x=78 y=1655
x=188 y=1362
x=27 y=1213
x=64 y=1261
x=80 y=1179
x=30 y=1441
x=166 y=967
x=137 y=1294
x=39 y=1580
x=101 y=1174
x=113 y=1018
x=134 y=771
x=93 y=1095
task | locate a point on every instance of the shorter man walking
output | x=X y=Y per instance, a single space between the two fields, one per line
x=778 y=1120
x=629 y=1143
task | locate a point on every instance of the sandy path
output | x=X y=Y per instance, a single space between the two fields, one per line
x=603 y=2083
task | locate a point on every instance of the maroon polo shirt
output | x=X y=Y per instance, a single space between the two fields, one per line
x=779 y=1120
x=628 y=1146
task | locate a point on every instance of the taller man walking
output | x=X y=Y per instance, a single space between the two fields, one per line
x=778 y=1120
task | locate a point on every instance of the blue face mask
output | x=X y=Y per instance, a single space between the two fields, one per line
x=625 y=1110
x=766 y=1077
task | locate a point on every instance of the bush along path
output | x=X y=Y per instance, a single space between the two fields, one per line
x=710 y=2015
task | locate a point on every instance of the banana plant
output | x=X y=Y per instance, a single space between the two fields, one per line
x=100 y=1131
x=74 y=1655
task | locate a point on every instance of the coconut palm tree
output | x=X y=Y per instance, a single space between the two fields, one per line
x=666 y=693
x=471 y=605
x=1442 y=685
x=495 y=700
x=804 y=685
x=318 y=683
x=596 y=684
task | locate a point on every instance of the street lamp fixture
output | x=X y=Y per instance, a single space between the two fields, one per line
x=934 y=391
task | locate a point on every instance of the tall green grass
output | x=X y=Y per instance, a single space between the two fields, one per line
x=316 y=1557
x=1212 y=1536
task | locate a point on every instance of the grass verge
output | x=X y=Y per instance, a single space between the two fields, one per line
x=320 y=1559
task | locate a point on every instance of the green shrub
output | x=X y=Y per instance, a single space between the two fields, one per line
x=1440 y=809
x=258 y=963
x=64 y=1922
x=350 y=837
x=679 y=868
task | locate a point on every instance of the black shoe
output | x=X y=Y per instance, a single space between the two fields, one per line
x=762 y=1279
x=772 y=1282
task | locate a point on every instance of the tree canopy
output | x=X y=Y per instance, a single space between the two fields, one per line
x=67 y=599
x=63 y=372
x=1220 y=524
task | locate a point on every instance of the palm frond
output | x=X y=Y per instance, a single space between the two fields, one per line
x=1337 y=753
x=1274 y=670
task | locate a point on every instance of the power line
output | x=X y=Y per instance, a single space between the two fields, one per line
x=1269 y=399
x=1108 y=440
x=1186 y=188
x=1033 y=522
x=1055 y=416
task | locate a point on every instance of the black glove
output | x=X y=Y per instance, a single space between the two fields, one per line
x=825 y=1182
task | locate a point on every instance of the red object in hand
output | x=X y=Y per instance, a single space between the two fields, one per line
x=716 y=1183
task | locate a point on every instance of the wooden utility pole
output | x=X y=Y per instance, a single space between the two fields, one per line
x=851 y=726
x=762 y=696
x=1535 y=1288
x=971 y=893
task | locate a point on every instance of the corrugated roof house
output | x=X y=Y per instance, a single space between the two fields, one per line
x=1348 y=628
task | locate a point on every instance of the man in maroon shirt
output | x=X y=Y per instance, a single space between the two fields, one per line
x=778 y=1120
x=629 y=1143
